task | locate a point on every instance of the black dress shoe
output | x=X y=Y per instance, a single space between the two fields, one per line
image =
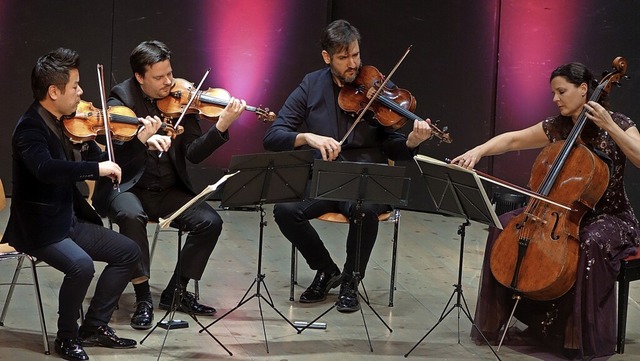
x=70 y=349
x=143 y=317
x=103 y=336
x=188 y=304
x=319 y=288
x=348 y=299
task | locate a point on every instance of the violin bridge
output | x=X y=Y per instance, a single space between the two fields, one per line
x=535 y=218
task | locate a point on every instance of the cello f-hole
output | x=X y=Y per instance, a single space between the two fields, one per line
x=554 y=236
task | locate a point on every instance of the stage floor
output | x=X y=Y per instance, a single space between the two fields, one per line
x=428 y=254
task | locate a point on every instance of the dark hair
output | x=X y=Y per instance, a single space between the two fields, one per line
x=53 y=69
x=578 y=73
x=148 y=53
x=337 y=36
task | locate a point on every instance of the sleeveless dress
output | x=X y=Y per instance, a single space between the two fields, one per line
x=582 y=323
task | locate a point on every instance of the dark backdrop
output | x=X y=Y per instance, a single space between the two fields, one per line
x=478 y=67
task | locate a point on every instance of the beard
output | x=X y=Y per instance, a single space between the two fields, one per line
x=346 y=79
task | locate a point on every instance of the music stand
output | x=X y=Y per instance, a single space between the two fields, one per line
x=178 y=292
x=457 y=191
x=360 y=183
x=265 y=178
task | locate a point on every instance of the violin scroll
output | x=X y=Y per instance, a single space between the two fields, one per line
x=265 y=115
x=170 y=130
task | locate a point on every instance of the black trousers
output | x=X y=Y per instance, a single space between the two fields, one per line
x=74 y=257
x=293 y=220
x=131 y=211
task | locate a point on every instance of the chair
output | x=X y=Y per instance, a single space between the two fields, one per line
x=91 y=187
x=506 y=202
x=387 y=217
x=8 y=253
x=629 y=271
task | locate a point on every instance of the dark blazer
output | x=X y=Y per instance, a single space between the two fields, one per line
x=45 y=197
x=192 y=145
x=312 y=107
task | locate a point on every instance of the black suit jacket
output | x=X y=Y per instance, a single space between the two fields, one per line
x=45 y=197
x=192 y=145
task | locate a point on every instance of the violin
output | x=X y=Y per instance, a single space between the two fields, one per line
x=208 y=103
x=392 y=107
x=87 y=122
x=536 y=255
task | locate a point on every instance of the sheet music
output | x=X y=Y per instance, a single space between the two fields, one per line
x=164 y=223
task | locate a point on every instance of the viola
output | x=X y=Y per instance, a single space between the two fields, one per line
x=87 y=123
x=536 y=255
x=207 y=103
x=392 y=107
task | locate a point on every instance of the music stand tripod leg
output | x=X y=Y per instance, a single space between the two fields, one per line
x=457 y=291
x=258 y=282
x=178 y=294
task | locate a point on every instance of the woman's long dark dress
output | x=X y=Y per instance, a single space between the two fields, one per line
x=584 y=319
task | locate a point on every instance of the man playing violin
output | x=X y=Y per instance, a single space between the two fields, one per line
x=314 y=104
x=51 y=220
x=160 y=184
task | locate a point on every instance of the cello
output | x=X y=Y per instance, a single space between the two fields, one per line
x=536 y=255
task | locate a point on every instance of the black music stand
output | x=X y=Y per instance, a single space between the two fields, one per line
x=178 y=294
x=265 y=178
x=458 y=192
x=360 y=183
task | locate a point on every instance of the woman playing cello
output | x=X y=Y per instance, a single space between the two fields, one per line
x=580 y=323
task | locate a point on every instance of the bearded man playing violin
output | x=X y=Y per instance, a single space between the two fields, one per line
x=314 y=105
x=160 y=184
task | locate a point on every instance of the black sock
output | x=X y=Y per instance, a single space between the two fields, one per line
x=143 y=292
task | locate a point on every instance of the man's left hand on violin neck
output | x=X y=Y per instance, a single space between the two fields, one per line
x=421 y=132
